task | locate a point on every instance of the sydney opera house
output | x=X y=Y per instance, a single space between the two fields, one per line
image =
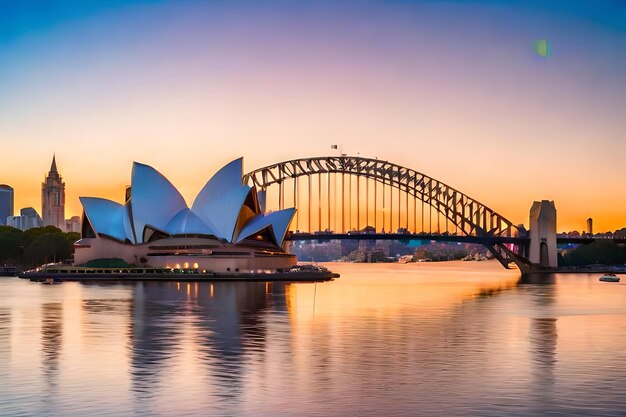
x=226 y=228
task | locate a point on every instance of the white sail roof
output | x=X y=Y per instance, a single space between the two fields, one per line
x=223 y=182
x=128 y=228
x=106 y=216
x=220 y=200
x=222 y=212
x=262 y=198
x=278 y=220
x=225 y=208
x=154 y=199
x=186 y=222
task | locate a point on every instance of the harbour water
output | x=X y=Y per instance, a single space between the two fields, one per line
x=453 y=339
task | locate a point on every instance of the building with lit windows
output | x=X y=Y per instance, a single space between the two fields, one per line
x=226 y=228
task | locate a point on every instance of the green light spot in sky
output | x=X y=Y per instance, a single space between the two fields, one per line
x=542 y=48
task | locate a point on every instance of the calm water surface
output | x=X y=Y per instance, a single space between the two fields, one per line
x=458 y=338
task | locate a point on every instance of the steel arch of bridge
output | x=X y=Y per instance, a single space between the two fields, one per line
x=468 y=215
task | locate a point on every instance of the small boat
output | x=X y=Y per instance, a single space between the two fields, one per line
x=609 y=278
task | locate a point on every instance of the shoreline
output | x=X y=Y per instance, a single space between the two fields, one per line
x=293 y=276
x=566 y=270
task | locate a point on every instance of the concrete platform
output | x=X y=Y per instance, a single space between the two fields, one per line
x=308 y=276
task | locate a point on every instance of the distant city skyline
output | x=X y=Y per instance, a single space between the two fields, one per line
x=509 y=104
x=52 y=206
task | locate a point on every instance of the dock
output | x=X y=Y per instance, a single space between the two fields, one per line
x=301 y=274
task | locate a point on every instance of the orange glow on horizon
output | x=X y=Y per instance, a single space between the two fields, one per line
x=573 y=209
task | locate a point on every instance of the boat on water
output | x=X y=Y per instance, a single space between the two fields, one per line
x=609 y=278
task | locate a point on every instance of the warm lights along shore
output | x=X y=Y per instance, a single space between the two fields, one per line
x=58 y=273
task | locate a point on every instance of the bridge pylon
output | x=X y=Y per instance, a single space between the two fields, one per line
x=542 y=250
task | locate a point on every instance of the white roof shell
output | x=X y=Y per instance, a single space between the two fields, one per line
x=220 y=200
x=128 y=228
x=157 y=204
x=186 y=222
x=278 y=220
x=105 y=216
x=154 y=199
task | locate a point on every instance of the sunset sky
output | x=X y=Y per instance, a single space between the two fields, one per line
x=453 y=89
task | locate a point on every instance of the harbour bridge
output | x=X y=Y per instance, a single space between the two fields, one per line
x=343 y=197
x=346 y=197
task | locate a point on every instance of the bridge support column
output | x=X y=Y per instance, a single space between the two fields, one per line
x=542 y=251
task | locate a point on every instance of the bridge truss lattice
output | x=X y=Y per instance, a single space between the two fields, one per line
x=345 y=193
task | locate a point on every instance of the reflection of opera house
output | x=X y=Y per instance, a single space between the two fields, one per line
x=226 y=228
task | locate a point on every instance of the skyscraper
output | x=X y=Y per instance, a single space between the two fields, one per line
x=73 y=224
x=6 y=203
x=27 y=219
x=53 y=198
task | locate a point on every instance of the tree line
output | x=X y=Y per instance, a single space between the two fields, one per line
x=36 y=246
x=603 y=252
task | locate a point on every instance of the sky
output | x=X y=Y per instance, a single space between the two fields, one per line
x=453 y=89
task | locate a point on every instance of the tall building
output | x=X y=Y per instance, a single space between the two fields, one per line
x=6 y=203
x=589 y=226
x=27 y=219
x=53 y=198
x=73 y=224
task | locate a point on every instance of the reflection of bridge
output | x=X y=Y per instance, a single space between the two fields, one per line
x=361 y=198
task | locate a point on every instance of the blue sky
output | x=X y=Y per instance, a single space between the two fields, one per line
x=451 y=88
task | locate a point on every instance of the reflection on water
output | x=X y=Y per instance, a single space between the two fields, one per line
x=543 y=344
x=51 y=343
x=443 y=339
x=222 y=321
x=5 y=342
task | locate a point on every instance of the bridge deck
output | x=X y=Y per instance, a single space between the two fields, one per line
x=406 y=237
x=439 y=238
